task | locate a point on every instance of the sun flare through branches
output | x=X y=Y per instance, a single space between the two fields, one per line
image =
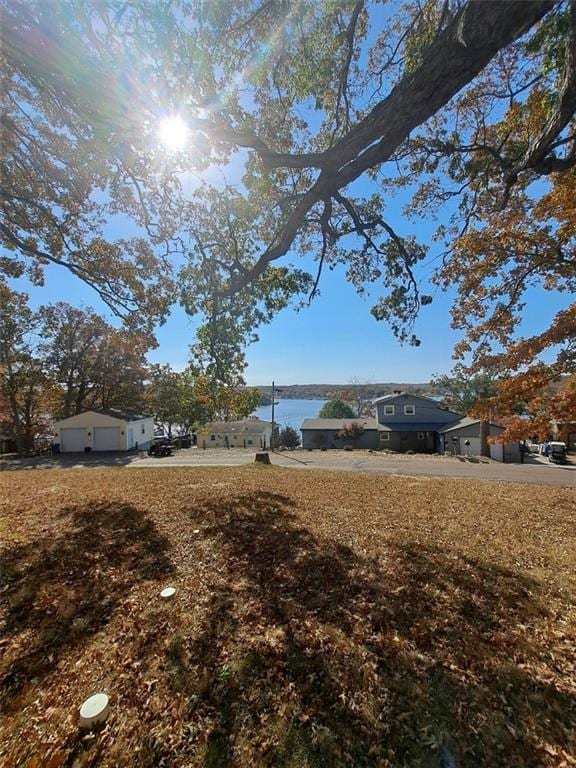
x=173 y=133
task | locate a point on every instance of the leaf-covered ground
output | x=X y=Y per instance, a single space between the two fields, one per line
x=321 y=619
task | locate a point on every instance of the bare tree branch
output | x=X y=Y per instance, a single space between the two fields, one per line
x=467 y=44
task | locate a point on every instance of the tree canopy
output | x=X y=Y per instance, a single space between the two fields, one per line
x=304 y=120
x=460 y=391
x=336 y=409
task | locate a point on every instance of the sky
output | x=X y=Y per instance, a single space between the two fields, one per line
x=333 y=340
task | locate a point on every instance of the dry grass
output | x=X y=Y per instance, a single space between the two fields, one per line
x=321 y=619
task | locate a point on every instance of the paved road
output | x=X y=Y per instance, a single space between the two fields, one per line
x=536 y=471
x=361 y=461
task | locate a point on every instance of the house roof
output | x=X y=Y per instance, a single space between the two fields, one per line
x=368 y=424
x=125 y=415
x=406 y=394
x=467 y=421
x=245 y=425
x=410 y=426
x=115 y=413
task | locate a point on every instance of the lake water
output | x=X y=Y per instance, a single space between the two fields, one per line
x=290 y=413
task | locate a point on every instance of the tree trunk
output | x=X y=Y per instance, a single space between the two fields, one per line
x=484 y=430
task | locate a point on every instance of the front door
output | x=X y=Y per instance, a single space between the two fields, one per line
x=405 y=441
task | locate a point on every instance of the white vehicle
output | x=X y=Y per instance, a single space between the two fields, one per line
x=558 y=453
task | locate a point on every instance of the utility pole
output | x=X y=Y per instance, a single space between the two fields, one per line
x=272 y=435
x=274 y=403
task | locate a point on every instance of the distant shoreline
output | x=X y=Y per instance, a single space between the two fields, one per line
x=330 y=391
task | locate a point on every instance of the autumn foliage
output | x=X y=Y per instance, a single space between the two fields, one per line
x=317 y=116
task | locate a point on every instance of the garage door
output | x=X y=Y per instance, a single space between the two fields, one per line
x=72 y=440
x=106 y=438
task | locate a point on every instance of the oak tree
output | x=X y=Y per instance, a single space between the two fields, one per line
x=27 y=394
x=304 y=121
x=336 y=409
x=94 y=364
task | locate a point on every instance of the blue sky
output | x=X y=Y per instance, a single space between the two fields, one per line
x=331 y=341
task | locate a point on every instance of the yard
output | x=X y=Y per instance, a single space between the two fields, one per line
x=320 y=619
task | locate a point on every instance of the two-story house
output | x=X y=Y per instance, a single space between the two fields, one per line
x=409 y=422
x=404 y=422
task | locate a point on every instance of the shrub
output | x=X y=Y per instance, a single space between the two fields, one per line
x=289 y=438
x=348 y=448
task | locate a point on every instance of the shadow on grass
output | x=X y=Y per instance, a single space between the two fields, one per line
x=313 y=654
x=58 y=591
x=71 y=460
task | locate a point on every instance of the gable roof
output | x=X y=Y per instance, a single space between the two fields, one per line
x=467 y=421
x=337 y=423
x=407 y=394
x=115 y=413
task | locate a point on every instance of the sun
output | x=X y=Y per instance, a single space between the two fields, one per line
x=173 y=133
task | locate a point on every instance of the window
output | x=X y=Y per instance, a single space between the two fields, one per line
x=388 y=410
x=212 y=437
x=248 y=442
x=143 y=429
x=409 y=410
x=385 y=436
x=421 y=435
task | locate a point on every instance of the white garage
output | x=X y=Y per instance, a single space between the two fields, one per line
x=104 y=429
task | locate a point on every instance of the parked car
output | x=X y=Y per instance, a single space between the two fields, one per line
x=557 y=453
x=161 y=446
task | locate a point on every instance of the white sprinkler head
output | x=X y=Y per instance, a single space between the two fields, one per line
x=94 y=710
x=168 y=592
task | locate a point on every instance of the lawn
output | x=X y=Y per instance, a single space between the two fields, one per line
x=320 y=619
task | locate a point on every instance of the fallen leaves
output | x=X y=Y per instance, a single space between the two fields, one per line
x=371 y=632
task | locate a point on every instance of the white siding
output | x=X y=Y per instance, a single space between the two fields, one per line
x=143 y=432
x=143 y=429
